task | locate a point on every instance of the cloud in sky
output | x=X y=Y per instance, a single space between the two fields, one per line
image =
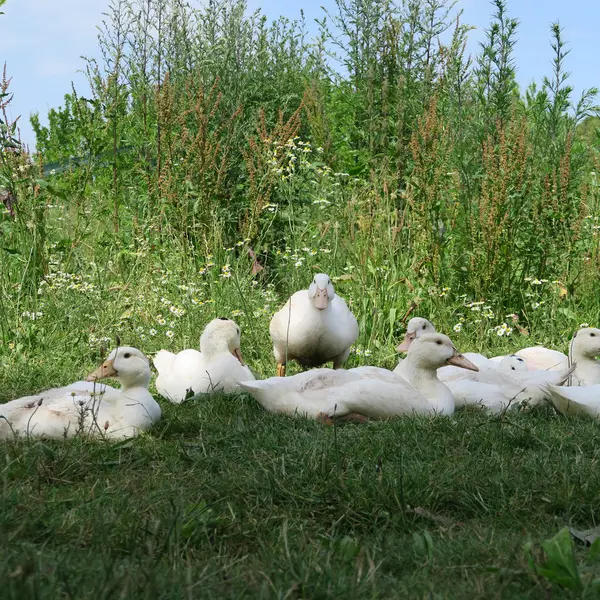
x=42 y=42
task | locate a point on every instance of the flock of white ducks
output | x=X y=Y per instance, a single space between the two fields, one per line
x=313 y=328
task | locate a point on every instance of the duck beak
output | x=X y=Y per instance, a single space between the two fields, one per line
x=238 y=354
x=321 y=299
x=106 y=369
x=406 y=342
x=458 y=360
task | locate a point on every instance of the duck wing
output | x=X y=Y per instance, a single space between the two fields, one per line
x=58 y=412
x=574 y=401
x=367 y=372
x=305 y=393
x=492 y=397
x=376 y=399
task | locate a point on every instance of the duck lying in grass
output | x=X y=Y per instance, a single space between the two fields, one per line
x=418 y=326
x=498 y=391
x=583 y=351
x=496 y=385
x=314 y=327
x=540 y=358
x=367 y=391
x=511 y=362
x=218 y=367
x=89 y=408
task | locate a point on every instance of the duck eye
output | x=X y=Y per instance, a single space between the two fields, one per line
x=238 y=330
x=126 y=355
x=513 y=368
x=439 y=342
x=223 y=319
x=592 y=335
x=423 y=326
x=519 y=359
x=328 y=281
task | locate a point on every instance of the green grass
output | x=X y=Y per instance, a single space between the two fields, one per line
x=221 y=499
x=418 y=189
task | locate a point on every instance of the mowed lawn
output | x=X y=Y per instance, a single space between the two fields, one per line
x=223 y=500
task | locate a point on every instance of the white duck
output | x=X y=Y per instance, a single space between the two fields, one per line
x=585 y=347
x=498 y=385
x=508 y=363
x=495 y=385
x=498 y=390
x=218 y=367
x=86 y=407
x=540 y=358
x=418 y=326
x=366 y=391
x=583 y=350
x=418 y=391
x=303 y=394
x=314 y=327
x=576 y=400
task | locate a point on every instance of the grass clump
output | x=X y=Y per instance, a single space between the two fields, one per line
x=221 y=498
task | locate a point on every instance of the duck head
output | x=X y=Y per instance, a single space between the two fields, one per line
x=128 y=365
x=512 y=362
x=416 y=327
x=221 y=335
x=321 y=291
x=435 y=350
x=586 y=342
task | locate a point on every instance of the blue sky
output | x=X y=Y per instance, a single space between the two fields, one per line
x=42 y=41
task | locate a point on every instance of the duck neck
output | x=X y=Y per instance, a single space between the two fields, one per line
x=418 y=374
x=134 y=384
x=426 y=381
x=213 y=346
x=587 y=370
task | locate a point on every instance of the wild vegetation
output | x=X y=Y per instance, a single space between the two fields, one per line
x=217 y=163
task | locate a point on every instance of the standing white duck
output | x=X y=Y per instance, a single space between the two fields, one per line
x=314 y=327
x=86 y=407
x=218 y=367
x=366 y=391
x=576 y=400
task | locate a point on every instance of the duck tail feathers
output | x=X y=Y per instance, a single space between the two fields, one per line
x=252 y=386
